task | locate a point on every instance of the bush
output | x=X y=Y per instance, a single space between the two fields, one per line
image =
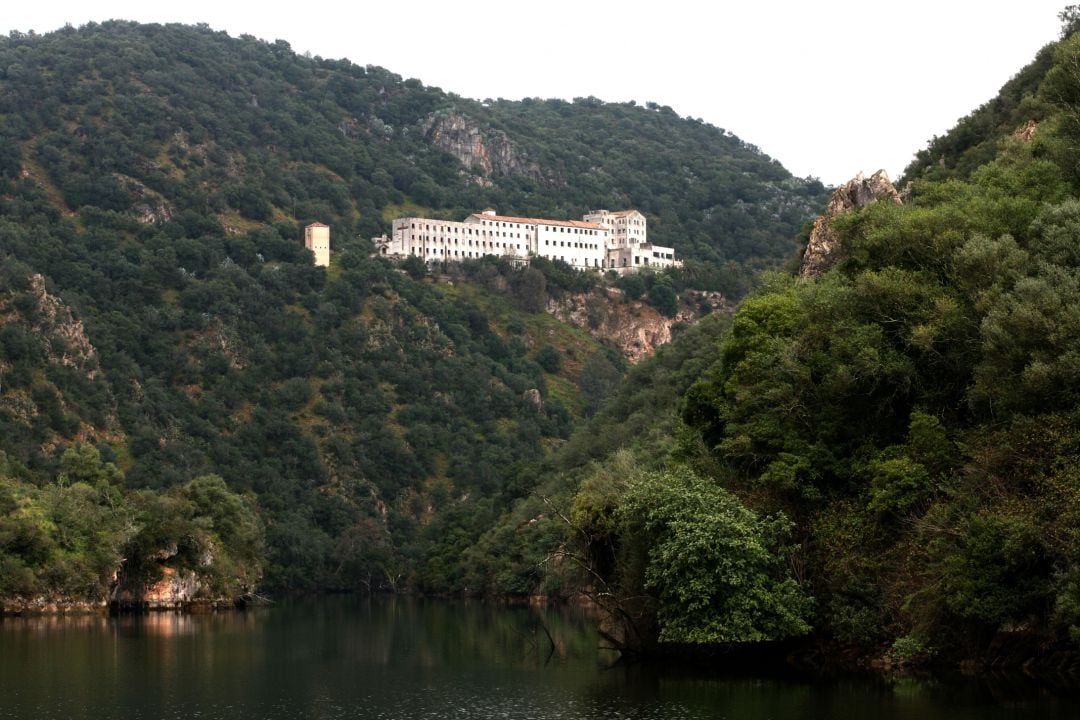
x=549 y=358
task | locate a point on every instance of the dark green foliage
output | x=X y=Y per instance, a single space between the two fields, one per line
x=913 y=407
x=66 y=539
x=632 y=285
x=530 y=290
x=415 y=267
x=185 y=122
x=599 y=377
x=717 y=569
x=913 y=412
x=549 y=358
x=662 y=297
x=200 y=527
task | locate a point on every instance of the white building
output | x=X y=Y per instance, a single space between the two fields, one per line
x=317 y=240
x=601 y=240
x=628 y=248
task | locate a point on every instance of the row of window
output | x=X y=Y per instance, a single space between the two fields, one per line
x=443 y=251
x=480 y=244
x=455 y=229
x=581 y=245
x=470 y=232
x=498 y=223
x=574 y=230
x=454 y=241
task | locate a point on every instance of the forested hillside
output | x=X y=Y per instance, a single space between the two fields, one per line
x=171 y=122
x=183 y=394
x=885 y=457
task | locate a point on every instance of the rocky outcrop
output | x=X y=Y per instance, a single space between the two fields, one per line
x=64 y=335
x=823 y=249
x=48 y=605
x=635 y=328
x=482 y=151
x=1026 y=132
x=176 y=589
x=534 y=399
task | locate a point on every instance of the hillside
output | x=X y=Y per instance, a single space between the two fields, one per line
x=189 y=407
x=881 y=457
x=172 y=122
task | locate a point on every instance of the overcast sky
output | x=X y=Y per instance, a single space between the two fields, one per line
x=826 y=88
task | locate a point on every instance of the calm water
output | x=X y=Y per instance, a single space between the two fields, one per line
x=386 y=659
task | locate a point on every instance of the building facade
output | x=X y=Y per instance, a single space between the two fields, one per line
x=317 y=240
x=600 y=241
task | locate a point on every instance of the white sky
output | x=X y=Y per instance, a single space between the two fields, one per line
x=826 y=88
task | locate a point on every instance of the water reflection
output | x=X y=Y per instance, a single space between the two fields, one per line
x=398 y=658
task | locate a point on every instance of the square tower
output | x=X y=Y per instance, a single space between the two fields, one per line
x=317 y=240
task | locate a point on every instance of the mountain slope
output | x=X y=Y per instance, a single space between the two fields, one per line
x=165 y=120
x=899 y=434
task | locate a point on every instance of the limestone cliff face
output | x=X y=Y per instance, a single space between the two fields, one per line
x=63 y=334
x=178 y=587
x=635 y=328
x=823 y=251
x=175 y=590
x=480 y=150
x=62 y=340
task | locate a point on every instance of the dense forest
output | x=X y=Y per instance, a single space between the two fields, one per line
x=182 y=392
x=885 y=456
x=182 y=123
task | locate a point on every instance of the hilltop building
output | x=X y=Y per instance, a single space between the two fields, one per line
x=600 y=241
x=317 y=240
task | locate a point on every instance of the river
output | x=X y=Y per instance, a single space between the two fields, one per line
x=391 y=659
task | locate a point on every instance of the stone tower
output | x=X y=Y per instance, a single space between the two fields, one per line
x=317 y=240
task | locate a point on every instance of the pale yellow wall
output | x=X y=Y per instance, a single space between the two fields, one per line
x=317 y=240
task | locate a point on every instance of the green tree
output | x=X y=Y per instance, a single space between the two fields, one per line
x=549 y=358
x=530 y=290
x=415 y=267
x=718 y=569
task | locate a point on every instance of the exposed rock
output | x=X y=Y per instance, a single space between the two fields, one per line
x=480 y=150
x=635 y=328
x=176 y=589
x=822 y=251
x=350 y=128
x=532 y=397
x=1026 y=131
x=147 y=205
x=48 y=605
x=64 y=335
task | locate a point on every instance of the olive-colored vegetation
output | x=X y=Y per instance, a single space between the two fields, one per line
x=184 y=123
x=271 y=423
x=886 y=456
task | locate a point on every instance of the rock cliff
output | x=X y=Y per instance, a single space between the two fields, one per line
x=483 y=151
x=635 y=328
x=823 y=251
x=64 y=336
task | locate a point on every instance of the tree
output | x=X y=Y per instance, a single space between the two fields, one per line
x=530 y=290
x=717 y=568
x=415 y=267
x=662 y=297
x=598 y=378
x=549 y=358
